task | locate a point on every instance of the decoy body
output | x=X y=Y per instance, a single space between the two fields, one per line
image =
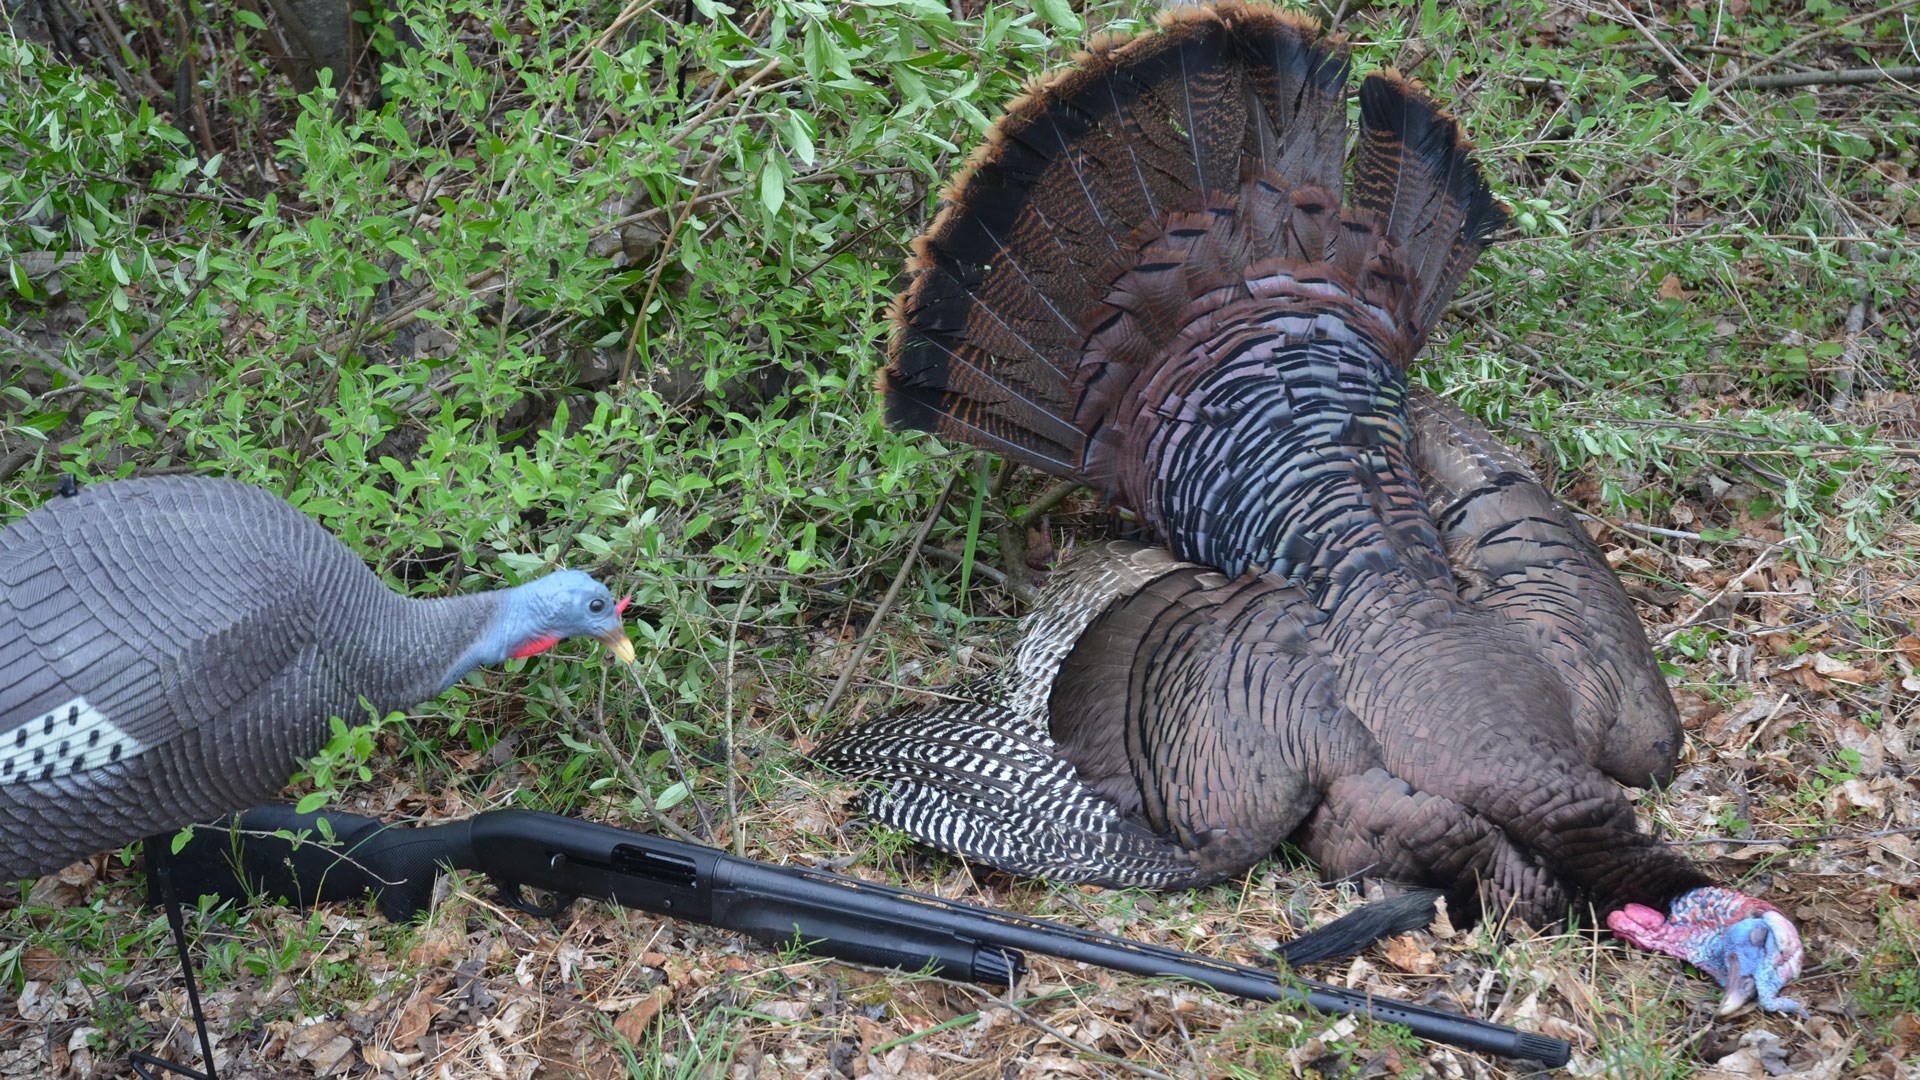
x=171 y=648
x=1370 y=630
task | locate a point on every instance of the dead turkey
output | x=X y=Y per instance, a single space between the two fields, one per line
x=171 y=648
x=1375 y=633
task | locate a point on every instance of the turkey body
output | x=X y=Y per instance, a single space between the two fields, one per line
x=1369 y=630
x=1161 y=724
x=171 y=648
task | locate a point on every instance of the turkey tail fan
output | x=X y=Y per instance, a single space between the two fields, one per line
x=1415 y=177
x=1073 y=181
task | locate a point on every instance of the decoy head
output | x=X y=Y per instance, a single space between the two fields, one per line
x=565 y=604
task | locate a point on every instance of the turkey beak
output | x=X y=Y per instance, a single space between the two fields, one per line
x=1740 y=986
x=616 y=639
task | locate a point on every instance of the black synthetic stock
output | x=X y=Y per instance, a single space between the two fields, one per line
x=830 y=914
x=243 y=857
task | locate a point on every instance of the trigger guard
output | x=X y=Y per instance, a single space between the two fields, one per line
x=516 y=897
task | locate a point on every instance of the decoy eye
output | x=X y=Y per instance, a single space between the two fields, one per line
x=597 y=606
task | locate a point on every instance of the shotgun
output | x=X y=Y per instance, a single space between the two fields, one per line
x=273 y=851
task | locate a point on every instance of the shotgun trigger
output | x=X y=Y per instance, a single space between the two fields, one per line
x=515 y=896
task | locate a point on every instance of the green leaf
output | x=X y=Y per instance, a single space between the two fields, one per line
x=799 y=130
x=1059 y=13
x=773 y=187
x=819 y=53
x=311 y=803
x=675 y=794
x=523 y=562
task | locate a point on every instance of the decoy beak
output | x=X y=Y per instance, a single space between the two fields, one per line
x=616 y=639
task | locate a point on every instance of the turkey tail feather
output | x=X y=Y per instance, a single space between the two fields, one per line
x=1415 y=176
x=1073 y=188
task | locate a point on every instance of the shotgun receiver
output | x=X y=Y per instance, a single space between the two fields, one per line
x=830 y=914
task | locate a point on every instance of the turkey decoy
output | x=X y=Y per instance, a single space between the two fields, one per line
x=172 y=647
x=1148 y=280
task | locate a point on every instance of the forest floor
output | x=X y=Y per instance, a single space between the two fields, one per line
x=537 y=301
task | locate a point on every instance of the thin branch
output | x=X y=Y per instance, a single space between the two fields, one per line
x=1027 y=593
x=672 y=743
x=1801 y=42
x=714 y=108
x=1048 y=499
x=1789 y=841
x=1794 y=446
x=75 y=379
x=1705 y=609
x=733 y=801
x=886 y=602
x=996 y=999
x=660 y=261
x=596 y=729
x=1843 y=77
x=1676 y=534
x=427 y=300
x=18 y=457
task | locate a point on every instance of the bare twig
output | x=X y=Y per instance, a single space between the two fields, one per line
x=596 y=730
x=1843 y=77
x=1675 y=534
x=713 y=108
x=1048 y=499
x=660 y=260
x=1788 y=841
x=1793 y=446
x=1849 y=352
x=18 y=457
x=1705 y=609
x=733 y=801
x=1793 y=47
x=672 y=743
x=426 y=300
x=632 y=11
x=1005 y=1001
x=999 y=577
x=886 y=602
x=75 y=378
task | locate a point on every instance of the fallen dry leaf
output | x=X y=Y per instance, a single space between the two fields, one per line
x=419 y=1011
x=1671 y=289
x=1410 y=954
x=632 y=1024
